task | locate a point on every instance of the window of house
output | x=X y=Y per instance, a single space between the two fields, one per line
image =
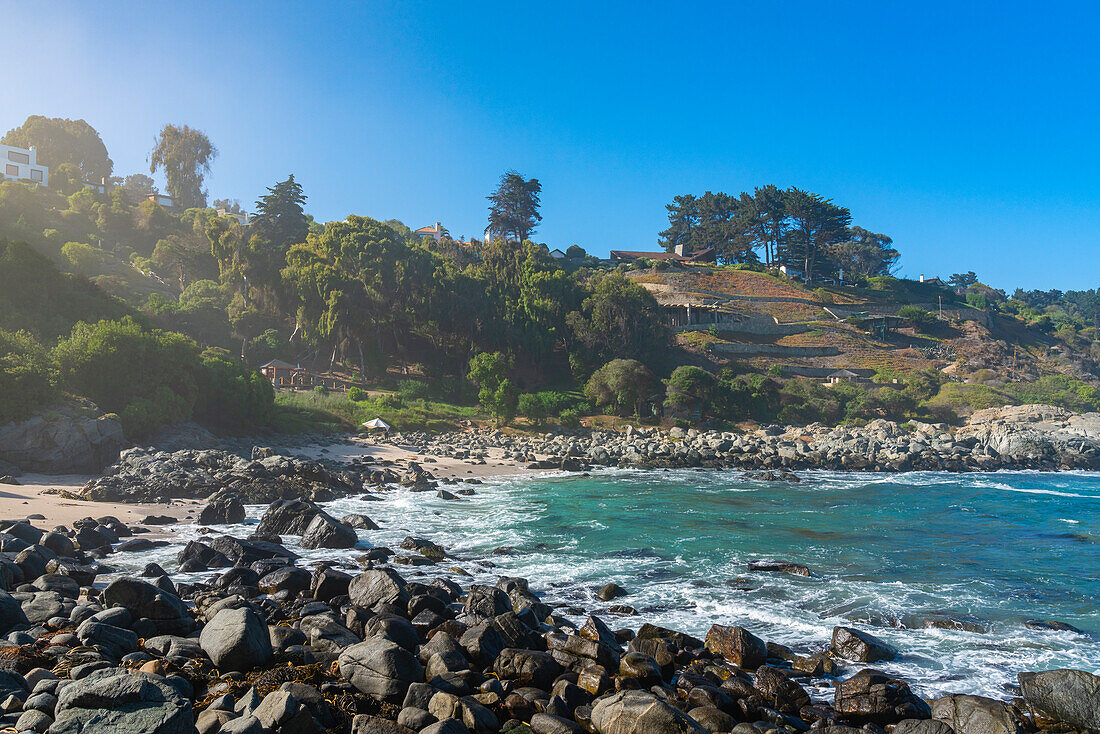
x=18 y=157
x=36 y=175
x=11 y=170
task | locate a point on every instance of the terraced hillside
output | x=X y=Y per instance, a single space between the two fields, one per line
x=768 y=320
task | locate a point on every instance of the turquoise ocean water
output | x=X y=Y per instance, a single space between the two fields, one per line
x=888 y=553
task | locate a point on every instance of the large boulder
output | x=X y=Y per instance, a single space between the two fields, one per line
x=11 y=613
x=108 y=702
x=63 y=441
x=378 y=586
x=640 y=712
x=527 y=667
x=860 y=647
x=165 y=609
x=738 y=645
x=381 y=668
x=325 y=532
x=976 y=715
x=287 y=517
x=871 y=696
x=222 y=511
x=236 y=640
x=1069 y=696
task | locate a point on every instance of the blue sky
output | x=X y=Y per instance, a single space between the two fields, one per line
x=968 y=132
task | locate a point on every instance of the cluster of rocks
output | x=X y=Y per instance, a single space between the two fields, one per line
x=1025 y=437
x=267 y=645
x=146 y=475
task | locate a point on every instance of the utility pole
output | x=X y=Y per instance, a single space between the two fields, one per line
x=941 y=307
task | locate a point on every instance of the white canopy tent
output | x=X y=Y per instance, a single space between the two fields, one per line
x=377 y=423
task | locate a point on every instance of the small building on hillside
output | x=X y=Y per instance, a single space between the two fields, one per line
x=21 y=164
x=791 y=272
x=241 y=217
x=557 y=254
x=277 y=370
x=163 y=199
x=436 y=232
x=842 y=376
x=100 y=187
x=931 y=281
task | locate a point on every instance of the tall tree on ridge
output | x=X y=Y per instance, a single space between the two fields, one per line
x=767 y=209
x=683 y=218
x=185 y=154
x=514 y=208
x=817 y=224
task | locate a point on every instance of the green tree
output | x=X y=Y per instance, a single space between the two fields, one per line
x=863 y=254
x=620 y=319
x=61 y=141
x=816 y=225
x=185 y=155
x=692 y=389
x=489 y=372
x=963 y=280
x=280 y=218
x=514 y=208
x=766 y=211
x=625 y=385
x=28 y=376
x=137 y=187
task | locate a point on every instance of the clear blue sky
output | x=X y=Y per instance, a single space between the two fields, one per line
x=966 y=131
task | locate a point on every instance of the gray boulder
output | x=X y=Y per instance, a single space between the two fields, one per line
x=640 y=712
x=377 y=586
x=381 y=668
x=1069 y=696
x=11 y=613
x=108 y=702
x=976 y=715
x=237 y=640
x=222 y=511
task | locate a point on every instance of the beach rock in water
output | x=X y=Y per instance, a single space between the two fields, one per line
x=381 y=668
x=236 y=640
x=1069 y=696
x=738 y=645
x=287 y=517
x=640 y=712
x=795 y=569
x=108 y=702
x=870 y=696
x=610 y=591
x=325 y=532
x=222 y=511
x=976 y=715
x=860 y=647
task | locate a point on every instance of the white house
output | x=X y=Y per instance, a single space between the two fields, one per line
x=21 y=164
x=162 y=199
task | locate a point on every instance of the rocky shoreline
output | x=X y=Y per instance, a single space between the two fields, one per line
x=267 y=644
x=1025 y=437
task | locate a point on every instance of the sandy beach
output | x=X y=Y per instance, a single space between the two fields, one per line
x=38 y=496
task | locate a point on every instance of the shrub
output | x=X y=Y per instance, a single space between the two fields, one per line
x=921 y=319
x=414 y=389
x=569 y=418
x=28 y=376
x=389 y=400
x=977 y=300
x=1059 y=390
x=357 y=394
x=530 y=406
x=489 y=370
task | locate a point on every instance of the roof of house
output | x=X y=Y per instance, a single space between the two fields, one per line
x=278 y=364
x=843 y=373
x=636 y=255
x=427 y=230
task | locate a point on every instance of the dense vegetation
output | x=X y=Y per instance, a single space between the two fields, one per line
x=140 y=308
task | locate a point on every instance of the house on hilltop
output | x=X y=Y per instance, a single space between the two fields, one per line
x=436 y=232
x=21 y=164
x=677 y=255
